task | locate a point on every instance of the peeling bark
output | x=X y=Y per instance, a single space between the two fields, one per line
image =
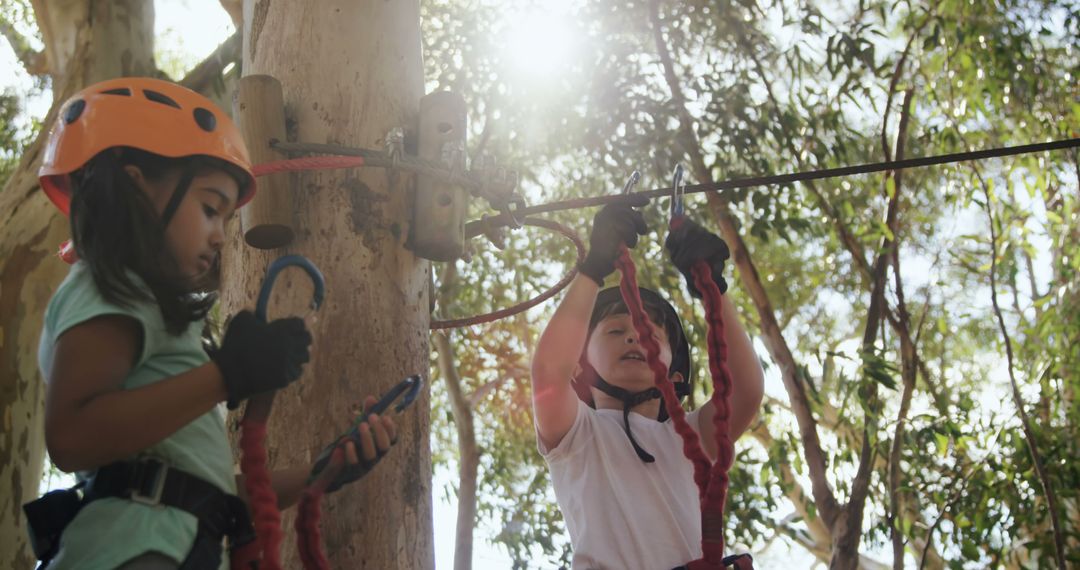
x=84 y=42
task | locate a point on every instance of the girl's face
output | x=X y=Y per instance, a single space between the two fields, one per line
x=196 y=232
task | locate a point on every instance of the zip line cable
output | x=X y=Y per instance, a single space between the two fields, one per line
x=514 y=214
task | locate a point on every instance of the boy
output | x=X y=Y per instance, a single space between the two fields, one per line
x=623 y=485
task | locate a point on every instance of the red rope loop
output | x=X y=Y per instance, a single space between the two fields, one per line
x=524 y=306
x=691 y=443
x=711 y=479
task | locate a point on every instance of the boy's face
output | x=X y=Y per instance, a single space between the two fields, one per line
x=615 y=351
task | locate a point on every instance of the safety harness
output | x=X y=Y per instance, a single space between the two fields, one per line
x=153 y=483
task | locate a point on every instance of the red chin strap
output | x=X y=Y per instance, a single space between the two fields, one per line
x=711 y=479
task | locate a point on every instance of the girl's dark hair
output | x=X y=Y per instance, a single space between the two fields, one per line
x=117 y=231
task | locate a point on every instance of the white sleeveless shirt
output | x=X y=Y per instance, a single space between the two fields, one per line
x=623 y=513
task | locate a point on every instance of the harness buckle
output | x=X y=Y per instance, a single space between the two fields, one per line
x=149 y=483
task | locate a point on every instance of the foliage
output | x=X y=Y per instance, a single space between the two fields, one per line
x=768 y=86
x=780 y=86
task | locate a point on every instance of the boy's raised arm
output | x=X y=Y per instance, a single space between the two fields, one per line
x=564 y=338
x=688 y=244
x=747 y=379
x=556 y=361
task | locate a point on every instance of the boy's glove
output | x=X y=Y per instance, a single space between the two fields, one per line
x=689 y=243
x=613 y=225
x=257 y=357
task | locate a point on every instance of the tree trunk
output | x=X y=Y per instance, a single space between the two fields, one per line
x=469 y=453
x=84 y=42
x=350 y=72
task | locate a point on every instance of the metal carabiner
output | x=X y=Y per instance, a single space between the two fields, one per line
x=512 y=209
x=408 y=389
x=271 y=275
x=632 y=181
x=678 y=190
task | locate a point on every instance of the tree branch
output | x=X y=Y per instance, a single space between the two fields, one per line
x=33 y=61
x=795 y=493
x=1025 y=420
x=860 y=488
x=235 y=10
x=469 y=461
x=484 y=390
x=800 y=538
x=908 y=371
x=824 y=498
x=203 y=75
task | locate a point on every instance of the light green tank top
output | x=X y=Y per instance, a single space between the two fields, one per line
x=108 y=532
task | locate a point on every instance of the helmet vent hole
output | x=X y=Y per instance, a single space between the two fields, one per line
x=74 y=111
x=160 y=98
x=118 y=91
x=205 y=119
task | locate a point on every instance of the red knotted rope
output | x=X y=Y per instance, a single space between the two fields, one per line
x=712 y=511
x=265 y=514
x=691 y=443
x=711 y=479
x=308 y=537
x=308 y=163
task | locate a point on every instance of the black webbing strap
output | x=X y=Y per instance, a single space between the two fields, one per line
x=152 y=483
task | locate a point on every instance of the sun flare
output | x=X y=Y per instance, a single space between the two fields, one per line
x=540 y=42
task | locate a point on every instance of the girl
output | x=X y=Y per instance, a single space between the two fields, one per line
x=149 y=173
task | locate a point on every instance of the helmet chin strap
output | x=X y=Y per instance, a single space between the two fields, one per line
x=178 y=195
x=632 y=399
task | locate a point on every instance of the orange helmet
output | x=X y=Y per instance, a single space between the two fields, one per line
x=149 y=114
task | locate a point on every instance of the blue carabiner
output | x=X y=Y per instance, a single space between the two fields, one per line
x=678 y=189
x=410 y=387
x=272 y=273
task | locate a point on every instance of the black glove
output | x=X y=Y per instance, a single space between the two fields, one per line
x=258 y=357
x=690 y=243
x=613 y=225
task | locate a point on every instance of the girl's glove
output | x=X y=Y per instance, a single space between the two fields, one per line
x=257 y=357
x=613 y=225
x=689 y=243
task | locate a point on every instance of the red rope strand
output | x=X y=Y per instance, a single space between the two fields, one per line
x=261 y=497
x=711 y=478
x=307 y=163
x=308 y=536
x=691 y=443
x=712 y=512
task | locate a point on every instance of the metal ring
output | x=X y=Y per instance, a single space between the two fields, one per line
x=678 y=190
x=632 y=181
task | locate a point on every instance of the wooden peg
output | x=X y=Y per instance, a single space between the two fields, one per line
x=438 y=229
x=266 y=221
